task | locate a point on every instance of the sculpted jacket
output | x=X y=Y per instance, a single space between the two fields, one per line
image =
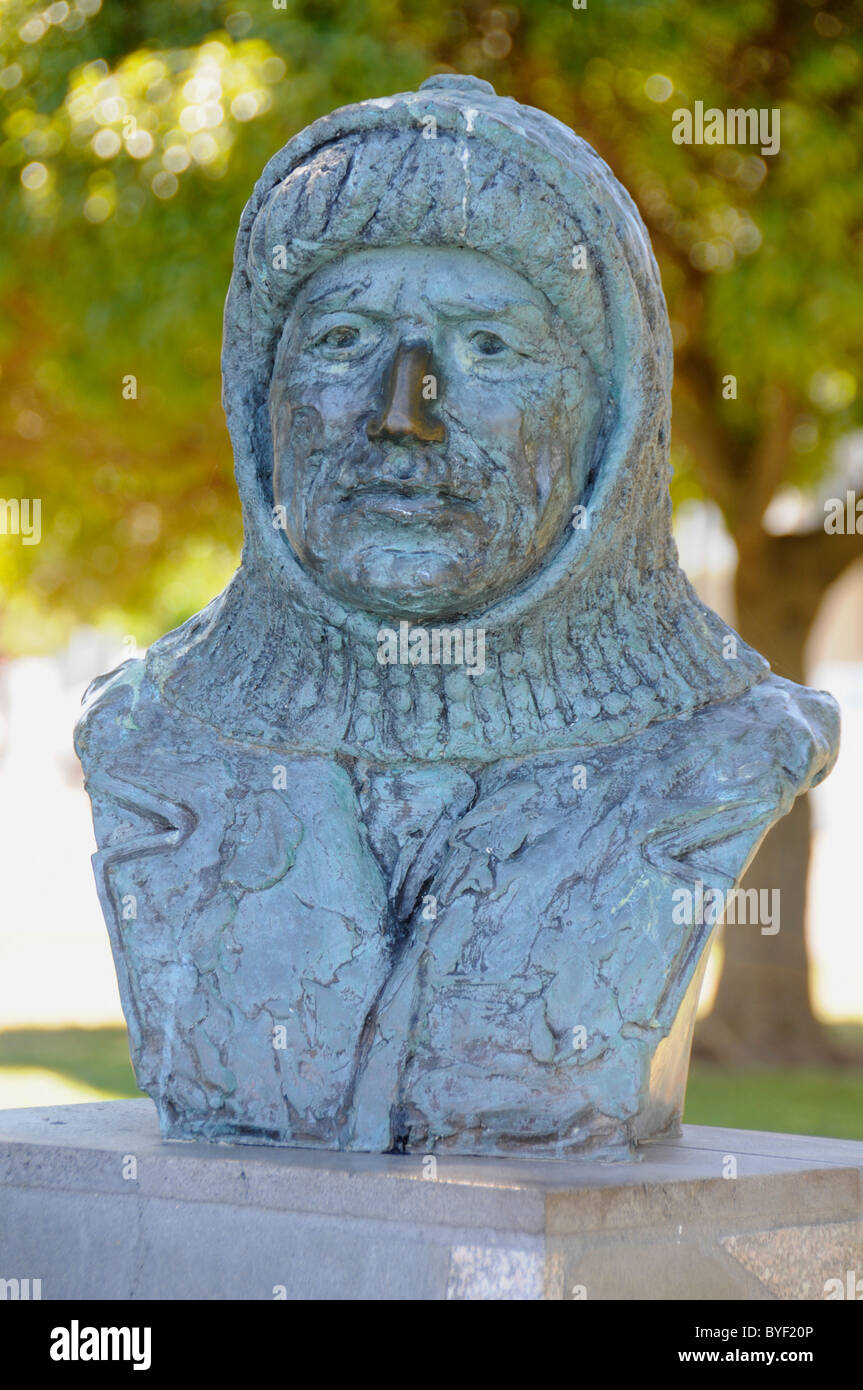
x=481 y=957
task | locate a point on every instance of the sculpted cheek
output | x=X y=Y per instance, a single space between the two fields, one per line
x=493 y=411
x=296 y=433
x=341 y=394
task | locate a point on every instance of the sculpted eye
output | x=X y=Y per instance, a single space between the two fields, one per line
x=343 y=336
x=487 y=344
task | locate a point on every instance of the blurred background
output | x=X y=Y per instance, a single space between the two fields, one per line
x=130 y=138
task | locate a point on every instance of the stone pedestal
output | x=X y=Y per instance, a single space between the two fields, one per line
x=95 y=1205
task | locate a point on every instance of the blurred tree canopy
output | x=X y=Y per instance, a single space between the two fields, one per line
x=130 y=138
x=132 y=135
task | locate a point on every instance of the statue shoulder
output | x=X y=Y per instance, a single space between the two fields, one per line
x=116 y=708
x=777 y=723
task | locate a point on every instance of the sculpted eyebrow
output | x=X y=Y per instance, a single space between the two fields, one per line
x=341 y=298
x=475 y=308
x=345 y=298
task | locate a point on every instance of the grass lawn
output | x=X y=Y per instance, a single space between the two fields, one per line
x=97 y=1058
x=816 y=1101
x=94 y=1062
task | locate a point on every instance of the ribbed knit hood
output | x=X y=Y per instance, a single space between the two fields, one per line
x=608 y=636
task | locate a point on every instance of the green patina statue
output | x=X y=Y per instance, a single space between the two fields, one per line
x=395 y=837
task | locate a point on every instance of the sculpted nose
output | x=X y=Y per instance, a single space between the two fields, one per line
x=405 y=411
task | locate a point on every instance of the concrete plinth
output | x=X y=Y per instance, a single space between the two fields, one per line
x=94 y=1205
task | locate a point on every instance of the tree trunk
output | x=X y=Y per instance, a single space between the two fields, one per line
x=763 y=1008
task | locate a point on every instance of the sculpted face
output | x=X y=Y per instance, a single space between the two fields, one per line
x=433 y=421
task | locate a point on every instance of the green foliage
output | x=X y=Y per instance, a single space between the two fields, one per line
x=131 y=135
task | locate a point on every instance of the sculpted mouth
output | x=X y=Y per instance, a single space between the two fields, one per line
x=405 y=499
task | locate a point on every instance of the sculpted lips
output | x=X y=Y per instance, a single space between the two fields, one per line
x=405 y=501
